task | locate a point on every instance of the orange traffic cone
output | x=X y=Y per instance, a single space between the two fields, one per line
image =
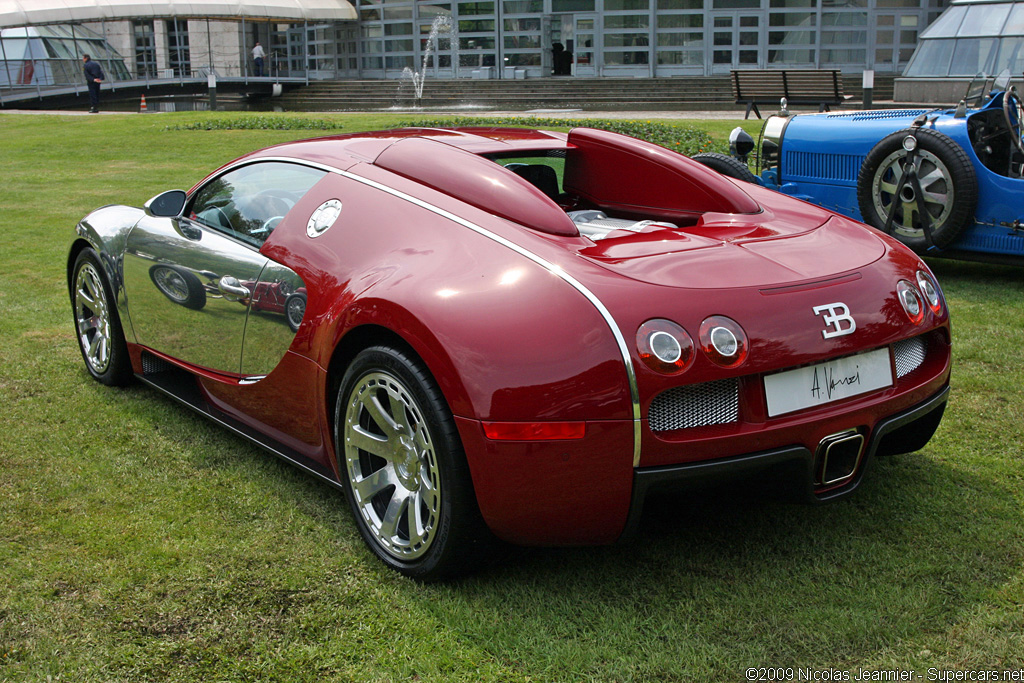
x=142 y=105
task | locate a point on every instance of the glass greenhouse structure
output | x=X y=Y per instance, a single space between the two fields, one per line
x=51 y=55
x=971 y=37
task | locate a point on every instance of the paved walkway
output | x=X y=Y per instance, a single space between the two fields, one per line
x=543 y=113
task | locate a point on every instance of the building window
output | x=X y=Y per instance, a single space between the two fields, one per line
x=145 y=49
x=572 y=5
x=177 y=47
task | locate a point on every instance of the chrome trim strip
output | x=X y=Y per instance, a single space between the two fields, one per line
x=543 y=263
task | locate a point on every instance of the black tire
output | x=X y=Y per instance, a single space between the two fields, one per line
x=178 y=284
x=946 y=176
x=726 y=165
x=417 y=464
x=294 y=310
x=97 y=324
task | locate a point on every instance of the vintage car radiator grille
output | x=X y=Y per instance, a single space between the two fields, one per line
x=879 y=115
x=823 y=166
x=909 y=354
x=697 y=405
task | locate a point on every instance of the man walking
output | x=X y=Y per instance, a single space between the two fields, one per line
x=257 y=58
x=93 y=77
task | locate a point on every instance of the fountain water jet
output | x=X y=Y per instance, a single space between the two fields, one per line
x=440 y=26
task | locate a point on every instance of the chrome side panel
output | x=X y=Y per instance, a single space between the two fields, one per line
x=106 y=229
x=188 y=291
x=267 y=331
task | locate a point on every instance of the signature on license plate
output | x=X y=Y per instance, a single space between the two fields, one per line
x=832 y=380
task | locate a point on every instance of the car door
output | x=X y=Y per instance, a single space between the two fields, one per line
x=191 y=280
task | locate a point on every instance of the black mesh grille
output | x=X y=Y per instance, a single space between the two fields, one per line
x=697 y=405
x=152 y=365
x=909 y=354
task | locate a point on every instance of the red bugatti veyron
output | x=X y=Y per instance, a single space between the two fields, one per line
x=514 y=332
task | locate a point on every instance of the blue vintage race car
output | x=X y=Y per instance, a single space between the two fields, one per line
x=945 y=182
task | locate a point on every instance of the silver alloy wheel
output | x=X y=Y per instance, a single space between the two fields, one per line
x=936 y=184
x=392 y=466
x=171 y=283
x=92 y=318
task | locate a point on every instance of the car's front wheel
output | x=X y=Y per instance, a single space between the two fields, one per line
x=97 y=325
x=403 y=467
x=934 y=210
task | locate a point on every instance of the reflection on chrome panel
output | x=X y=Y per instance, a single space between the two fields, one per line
x=195 y=299
x=275 y=314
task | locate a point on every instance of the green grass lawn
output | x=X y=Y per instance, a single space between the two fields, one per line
x=139 y=542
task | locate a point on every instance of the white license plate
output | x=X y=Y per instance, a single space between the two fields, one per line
x=823 y=383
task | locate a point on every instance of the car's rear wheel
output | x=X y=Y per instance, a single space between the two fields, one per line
x=946 y=200
x=97 y=325
x=403 y=467
x=178 y=284
x=295 y=310
x=726 y=165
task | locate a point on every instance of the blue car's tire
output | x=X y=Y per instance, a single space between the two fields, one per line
x=949 y=190
x=726 y=165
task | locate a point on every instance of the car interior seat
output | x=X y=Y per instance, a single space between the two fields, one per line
x=540 y=176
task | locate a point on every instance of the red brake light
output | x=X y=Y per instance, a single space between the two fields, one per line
x=723 y=341
x=664 y=346
x=534 y=431
x=932 y=294
x=911 y=301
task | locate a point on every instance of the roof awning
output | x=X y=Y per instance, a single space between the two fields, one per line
x=15 y=13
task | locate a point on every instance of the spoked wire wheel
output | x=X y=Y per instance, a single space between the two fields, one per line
x=179 y=284
x=171 y=283
x=392 y=465
x=295 y=310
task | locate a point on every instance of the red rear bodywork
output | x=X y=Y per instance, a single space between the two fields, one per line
x=522 y=319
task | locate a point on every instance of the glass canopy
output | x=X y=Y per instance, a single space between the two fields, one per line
x=971 y=38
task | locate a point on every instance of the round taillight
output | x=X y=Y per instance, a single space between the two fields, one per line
x=723 y=341
x=911 y=301
x=930 y=289
x=664 y=346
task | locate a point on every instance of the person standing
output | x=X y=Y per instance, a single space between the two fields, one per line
x=93 y=77
x=257 y=57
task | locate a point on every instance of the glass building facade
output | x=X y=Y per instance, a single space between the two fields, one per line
x=637 y=38
x=52 y=55
x=533 y=39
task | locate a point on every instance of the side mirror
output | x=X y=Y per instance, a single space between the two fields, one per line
x=166 y=204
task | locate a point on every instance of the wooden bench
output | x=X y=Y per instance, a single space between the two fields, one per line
x=823 y=87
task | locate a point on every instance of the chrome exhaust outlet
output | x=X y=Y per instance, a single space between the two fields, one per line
x=839 y=456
